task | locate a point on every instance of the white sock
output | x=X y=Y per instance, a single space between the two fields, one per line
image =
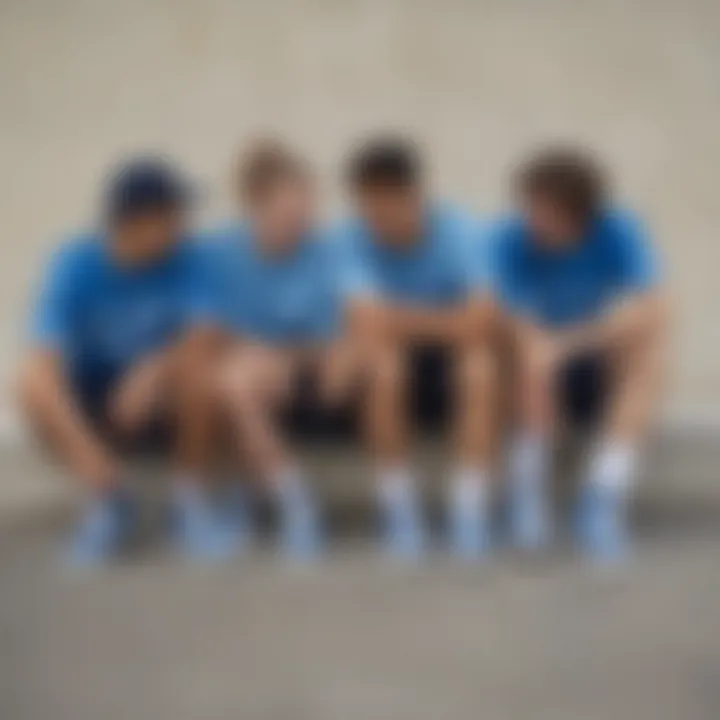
x=529 y=461
x=612 y=466
x=468 y=488
x=395 y=485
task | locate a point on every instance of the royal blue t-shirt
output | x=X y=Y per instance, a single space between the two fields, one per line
x=446 y=264
x=284 y=298
x=102 y=316
x=576 y=283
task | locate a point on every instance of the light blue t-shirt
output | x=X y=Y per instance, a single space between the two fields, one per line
x=102 y=316
x=289 y=298
x=442 y=268
x=574 y=284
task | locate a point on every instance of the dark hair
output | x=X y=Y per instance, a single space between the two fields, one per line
x=266 y=162
x=568 y=176
x=144 y=184
x=388 y=161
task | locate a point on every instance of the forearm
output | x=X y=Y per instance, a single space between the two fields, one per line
x=47 y=397
x=630 y=319
x=462 y=323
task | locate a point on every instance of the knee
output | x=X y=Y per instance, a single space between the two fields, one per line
x=245 y=377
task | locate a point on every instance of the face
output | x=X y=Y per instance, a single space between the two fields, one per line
x=393 y=214
x=285 y=213
x=549 y=223
x=148 y=236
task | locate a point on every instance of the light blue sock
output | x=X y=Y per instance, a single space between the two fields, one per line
x=602 y=512
x=299 y=517
x=530 y=522
x=469 y=530
x=403 y=529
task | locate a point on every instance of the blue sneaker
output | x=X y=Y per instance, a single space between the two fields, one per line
x=403 y=531
x=235 y=511
x=469 y=531
x=103 y=529
x=300 y=534
x=529 y=517
x=601 y=523
x=201 y=530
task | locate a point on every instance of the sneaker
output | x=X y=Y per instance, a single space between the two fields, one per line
x=103 y=529
x=403 y=531
x=601 y=523
x=201 y=530
x=530 y=524
x=469 y=531
x=300 y=535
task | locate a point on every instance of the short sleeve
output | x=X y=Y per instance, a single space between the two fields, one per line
x=51 y=318
x=328 y=307
x=203 y=301
x=354 y=276
x=472 y=258
x=636 y=266
x=504 y=271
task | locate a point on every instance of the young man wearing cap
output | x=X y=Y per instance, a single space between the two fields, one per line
x=106 y=359
x=584 y=301
x=414 y=280
x=277 y=302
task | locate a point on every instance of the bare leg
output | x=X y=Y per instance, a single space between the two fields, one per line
x=530 y=452
x=639 y=374
x=254 y=380
x=385 y=413
x=47 y=401
x=476 y=400
x=474 y=440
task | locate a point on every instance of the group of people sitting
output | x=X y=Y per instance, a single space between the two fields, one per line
x=146 y=329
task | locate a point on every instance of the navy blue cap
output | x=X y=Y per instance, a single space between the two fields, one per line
x=142 y=185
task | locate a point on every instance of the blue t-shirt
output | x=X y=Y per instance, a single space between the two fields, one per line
x=288 y=298
x=102 y=316
x=440 y=269
x=563 y=286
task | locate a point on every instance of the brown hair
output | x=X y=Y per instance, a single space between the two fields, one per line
x=570 y=177
x=263 y=164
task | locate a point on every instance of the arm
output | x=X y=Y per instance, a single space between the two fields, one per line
x=50 y=403
x=457 y=324
x=45 y=390
x=630 y=318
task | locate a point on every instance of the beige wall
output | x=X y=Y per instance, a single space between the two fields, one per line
x=82 y=81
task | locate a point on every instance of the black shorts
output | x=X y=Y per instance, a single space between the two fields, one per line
x=430 y=399
x=305 y=417
x=583 y=386
x=431 y=387
x=94 y=392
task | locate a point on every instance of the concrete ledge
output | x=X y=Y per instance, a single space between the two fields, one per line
x=681 y=474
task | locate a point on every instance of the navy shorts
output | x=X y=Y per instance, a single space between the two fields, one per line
x=94 y=393
x=430 y=399
x=583 y=386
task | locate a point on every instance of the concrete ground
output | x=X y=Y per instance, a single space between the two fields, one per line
x=357 y=638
